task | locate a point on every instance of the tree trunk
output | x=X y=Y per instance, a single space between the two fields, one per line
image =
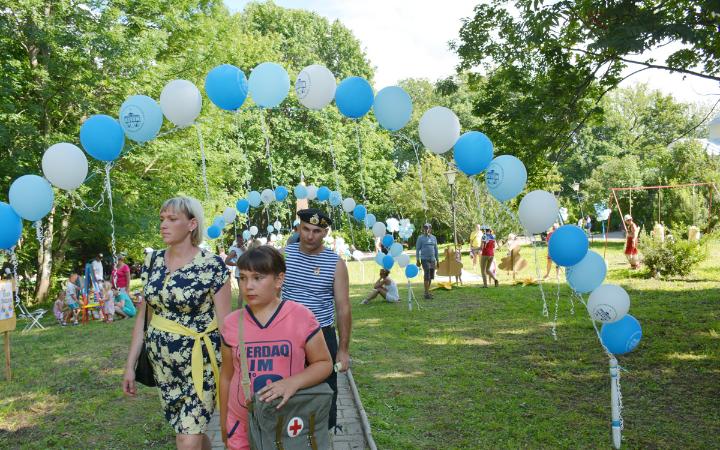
x=42 y=284
x=58 y=255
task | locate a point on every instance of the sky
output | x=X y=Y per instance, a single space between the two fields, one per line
x=409 y=39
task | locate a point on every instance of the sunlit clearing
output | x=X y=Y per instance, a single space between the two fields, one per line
x=686 y=356
x=455 y=340
x=399 y=375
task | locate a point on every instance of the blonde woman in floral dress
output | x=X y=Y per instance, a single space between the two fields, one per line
x=188 y=293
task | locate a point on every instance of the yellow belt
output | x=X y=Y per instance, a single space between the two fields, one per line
x=197 y=362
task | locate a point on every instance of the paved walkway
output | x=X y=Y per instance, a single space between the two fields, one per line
x=352 y=435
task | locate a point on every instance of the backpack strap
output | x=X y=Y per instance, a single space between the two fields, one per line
x=279 y=428
x=311 y=432
x=245 y=381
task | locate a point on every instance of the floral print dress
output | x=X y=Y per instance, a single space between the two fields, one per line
x=183 y=296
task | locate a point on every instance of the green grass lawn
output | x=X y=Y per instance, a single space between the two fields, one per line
x=474 y=368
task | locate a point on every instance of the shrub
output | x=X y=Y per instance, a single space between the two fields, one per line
x=673 y=257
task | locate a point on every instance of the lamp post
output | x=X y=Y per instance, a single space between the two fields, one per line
x=450 y=175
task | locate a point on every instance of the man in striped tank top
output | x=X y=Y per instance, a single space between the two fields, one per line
x=318 y=279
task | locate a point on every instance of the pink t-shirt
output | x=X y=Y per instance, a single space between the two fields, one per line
x=123 y=276
x=275 y=351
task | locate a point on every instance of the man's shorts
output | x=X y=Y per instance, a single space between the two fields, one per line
x=73 y=305
x=428 y=267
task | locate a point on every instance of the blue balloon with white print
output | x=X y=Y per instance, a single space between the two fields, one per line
x=622 y=336
x=140 y=118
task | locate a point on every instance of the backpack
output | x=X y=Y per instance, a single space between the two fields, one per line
x=301 y=423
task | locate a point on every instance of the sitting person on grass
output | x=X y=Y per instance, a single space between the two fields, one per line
x=59 y=308
x=386 y=287
x=124 y=306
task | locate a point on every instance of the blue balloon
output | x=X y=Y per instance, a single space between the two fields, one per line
x=31 y=197
x=588 y=274
x=335 y=198
x=270 y=228
x=10 y=226
x=102 y=137
x=242 y=206
x=388 y=240
x=269 y=84
x=359 y=212
x=227 y=87
x=622 y=336
x=300 y=192
x=323 y=193
x=379 y=258
x=354 y=97
x=411 y=270
x=505 y=177
x=219 y=222
x=254 y=199
x=388 y=262
x=281 y=193
x=141 y=118
x=393 y=108
x=213 y=232
x=246 y=235
x=473 y=152
x=370 y=220
x=568 y=245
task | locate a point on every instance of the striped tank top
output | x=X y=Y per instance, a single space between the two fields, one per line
x=309 y=281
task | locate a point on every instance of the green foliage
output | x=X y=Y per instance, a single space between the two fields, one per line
x=672 y=257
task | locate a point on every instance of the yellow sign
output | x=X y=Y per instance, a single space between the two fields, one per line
x=7 y=310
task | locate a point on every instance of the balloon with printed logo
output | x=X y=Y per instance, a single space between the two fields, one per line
x=254 y=199
x=281 y=193
x=402 y=259
x=323 y=193
x=229 y=215
x=473 y=153
x=538 y=210
x=267 y=196
x=354 y=97
x=300 y=192
x=379 y=229
x=315 y=87
x=254 y=230
x=608 y=303
x=213 y=231
x=335 y=199
x=181 y=102
x=439 y=128
x=65 y=166
x=359 y=212
x=396 y=249
x=348 y=205
x=102 y=137
x=312 y=192
x=10 y=226
x=246 y=235
x=388 y=240
x=588 y=274
x=392 y=107
x=411 y=270
x=388 y=262
x=227 y=87
x=31 y=197
x=140 y=118
x=269 y=84
x=505 y=177
x=568 y=245
x=623 y=336
x=370 y=220
x=242 y=206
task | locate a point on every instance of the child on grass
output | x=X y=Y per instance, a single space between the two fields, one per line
x=71 y=298
x=386 y=287
x=59 y=308
x=108 y=298
x=300 y=357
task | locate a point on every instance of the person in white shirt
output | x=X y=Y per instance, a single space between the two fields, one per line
x=97 y=271
x=386 y=287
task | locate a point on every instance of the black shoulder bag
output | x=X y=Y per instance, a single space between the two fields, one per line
x=143 y=368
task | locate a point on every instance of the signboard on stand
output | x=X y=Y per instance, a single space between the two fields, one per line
x=7 y=319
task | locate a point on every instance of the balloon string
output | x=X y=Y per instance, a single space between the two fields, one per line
x=557 y=305
x=360 y=160
x=202 y=155
x=268 y=155
x=545 y=312
x=335 y=172
x=108 y=189
x=476 y=190
x=415 y=147
x=14 y=262
x=39 y=235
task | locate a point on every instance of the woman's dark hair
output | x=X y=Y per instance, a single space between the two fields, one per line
x=263 y=259
x=384 y=273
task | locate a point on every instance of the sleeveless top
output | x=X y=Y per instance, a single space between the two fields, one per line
x=309 y=281
x=392 y=292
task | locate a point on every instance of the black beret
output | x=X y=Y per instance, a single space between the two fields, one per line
x=314 y=216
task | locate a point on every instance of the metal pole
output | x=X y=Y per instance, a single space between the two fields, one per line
x=452 y=203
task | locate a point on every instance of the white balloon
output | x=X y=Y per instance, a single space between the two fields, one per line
x=65 y=166
x=277 y=225
x=357 y=255
x=608 y=303
x=403 y=260
x=439 y=128
x=181 y=102
x=312 y=192
x=267 y=196
x=348 y=205
x=538 y=210
x=378 y=229
x=396 y=249
x=253 y=230
x=229 y=214
x=315 y=86
x=393 y=225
